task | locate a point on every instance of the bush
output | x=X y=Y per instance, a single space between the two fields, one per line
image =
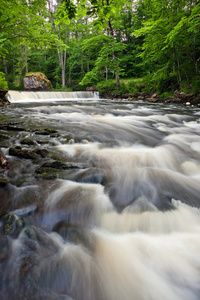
x=108 y=85
x=133 y=87
x=3 y=82
x=129 y=87
x=196 y=84
x=90 y=78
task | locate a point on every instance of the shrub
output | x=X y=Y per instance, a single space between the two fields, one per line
x=132 y=87
x=3 y=82
x=108 y=85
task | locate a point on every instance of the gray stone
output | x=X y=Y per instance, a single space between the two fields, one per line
x=36 y=81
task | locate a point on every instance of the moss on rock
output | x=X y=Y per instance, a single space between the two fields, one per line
x=36 y=81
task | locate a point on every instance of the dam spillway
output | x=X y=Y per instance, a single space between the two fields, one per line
x=34 y=96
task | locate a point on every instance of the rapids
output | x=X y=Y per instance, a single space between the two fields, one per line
x=123 y=223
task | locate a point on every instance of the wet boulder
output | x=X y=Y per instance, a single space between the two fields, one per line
x=3 y=100
x=12 y=224
x=29 y=154
x=68 y=231
x=56 y=169
x=36 y=81
x=22 y=153
x=11 y=127
x=46 y=131
x=27 y=141
x=4 y=181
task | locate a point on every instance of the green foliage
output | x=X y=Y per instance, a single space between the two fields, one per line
x=70 y=8
x=3 y=82
x=126 y=87
x=133 y=87
x=108 y=86
x=196 y=84
x=171 y=42
x=91 y=78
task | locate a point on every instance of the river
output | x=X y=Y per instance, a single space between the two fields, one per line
x=109 y=210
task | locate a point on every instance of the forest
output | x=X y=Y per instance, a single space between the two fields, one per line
x=126 y=46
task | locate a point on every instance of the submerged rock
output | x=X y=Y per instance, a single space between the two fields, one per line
x=25 y=210
x=41 y=152
x=45 y=131
x=23 y=153
x=12 y=224
x=91 y=176
x=4 y=248
x=69 y=232
x=56 y=169
x=61 y=165
x=36 y=81
x=11 y=127
x=4 y=181
x=27 y=141
x=28 y=154
x=4 y=136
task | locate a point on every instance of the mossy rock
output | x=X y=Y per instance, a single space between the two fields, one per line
x=41 y=152
x=61 y=165
x=12 y=224
x=45 y=131
x=70 y=232
x=4 y=136
x=56 y=169
x=36 y=81
x=27 y=141
x=23 y=153
x=11 y=127
x=4 y=181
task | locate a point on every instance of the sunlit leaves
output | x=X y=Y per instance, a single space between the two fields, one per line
x=171 y=38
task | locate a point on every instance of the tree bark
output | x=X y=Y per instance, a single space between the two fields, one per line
x=111 y=32
x=61 y=53
x=5 y=69
x=26 y=59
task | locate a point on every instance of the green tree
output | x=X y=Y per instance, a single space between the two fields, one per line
x=3 y=82
x=23 y=25
x=171 y=41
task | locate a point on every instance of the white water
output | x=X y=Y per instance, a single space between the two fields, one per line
x=24 y=96
x=139 y=226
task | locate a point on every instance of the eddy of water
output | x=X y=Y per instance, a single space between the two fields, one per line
x=107 y=209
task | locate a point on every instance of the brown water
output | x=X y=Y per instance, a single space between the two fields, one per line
x=123 y=224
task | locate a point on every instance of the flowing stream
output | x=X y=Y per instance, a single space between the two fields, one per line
x=108 y=209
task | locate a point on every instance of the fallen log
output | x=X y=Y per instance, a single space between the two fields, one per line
x=4 y=162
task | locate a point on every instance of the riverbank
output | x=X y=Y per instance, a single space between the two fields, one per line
x=178 y=97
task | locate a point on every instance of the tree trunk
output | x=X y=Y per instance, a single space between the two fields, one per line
x=88 y=62
x=62 y=57
x=117 y=80
x=106 y=73
x=179 y=73
x=5 y=69
x=111 y=31
x=26 y=59
x=61 y=53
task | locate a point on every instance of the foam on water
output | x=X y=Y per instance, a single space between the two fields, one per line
x=123 y=225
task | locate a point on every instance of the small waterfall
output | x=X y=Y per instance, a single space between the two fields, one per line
x=31 y=96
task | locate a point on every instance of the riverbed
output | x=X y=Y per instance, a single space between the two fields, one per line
x=107 y=206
